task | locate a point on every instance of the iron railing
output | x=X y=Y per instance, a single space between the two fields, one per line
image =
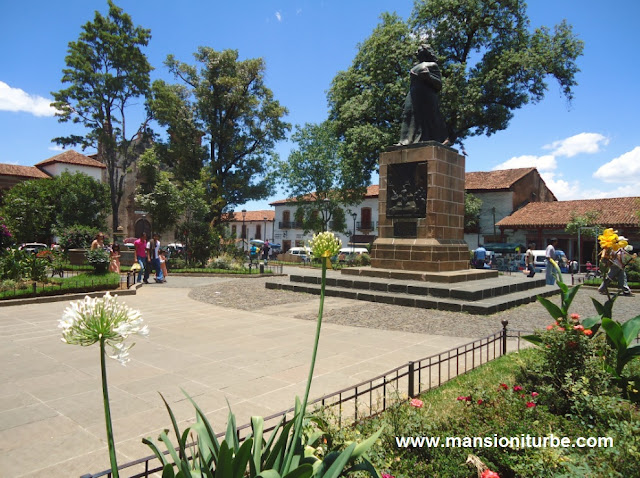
x=377 y=394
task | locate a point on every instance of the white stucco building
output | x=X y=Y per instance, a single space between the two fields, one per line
x=72 y=162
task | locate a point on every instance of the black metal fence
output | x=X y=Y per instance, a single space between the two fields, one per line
x=375 y=395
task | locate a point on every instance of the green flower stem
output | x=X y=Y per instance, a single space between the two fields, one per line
x=297 y=428
x=107 y=411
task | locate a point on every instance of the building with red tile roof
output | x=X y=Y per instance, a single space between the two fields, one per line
x=73 y=162
x=538 y=222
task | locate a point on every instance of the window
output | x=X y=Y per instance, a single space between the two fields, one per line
x=258 y=231
x=234 y=231
x=365 y=218
x=244 y=231
x=286 y=216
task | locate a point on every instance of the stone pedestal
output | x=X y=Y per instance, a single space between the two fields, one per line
x=418 y=234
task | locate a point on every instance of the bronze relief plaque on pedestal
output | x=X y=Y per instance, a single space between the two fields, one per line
x=407 y=190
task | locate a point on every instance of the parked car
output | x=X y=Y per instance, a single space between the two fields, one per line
x=349 y=253
x=33 y=247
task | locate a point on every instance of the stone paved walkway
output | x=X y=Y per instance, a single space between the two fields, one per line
x=51 y=416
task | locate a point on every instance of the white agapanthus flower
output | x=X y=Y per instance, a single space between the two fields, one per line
x=90 y=320
x=325 y=244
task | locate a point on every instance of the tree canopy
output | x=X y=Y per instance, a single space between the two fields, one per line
x=227 y=105
x=106 y=72
x=312 y=175
x=33 y=209
x=492 y=64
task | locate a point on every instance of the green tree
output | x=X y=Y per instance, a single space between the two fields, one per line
x=239 y=119
x=365 y=101
x=588 y=221
x=80 y=199
x=492 y=64
x=312 y=175
x=472 y=207
x=182 y=152
x=106 y=73
x=194 y=231
x=29 y=209
x=35 y=209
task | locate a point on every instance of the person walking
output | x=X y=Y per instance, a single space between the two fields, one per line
x=163 y=264
x=140 y=245
x=98 y=242
x=265 y=252
x=618 y=260
x=550 y=253
x=529 y=259
x=154 y=258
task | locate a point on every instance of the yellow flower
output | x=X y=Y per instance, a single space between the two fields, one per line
x=608 y=238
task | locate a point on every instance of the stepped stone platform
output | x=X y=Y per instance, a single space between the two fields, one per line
x=481 y=297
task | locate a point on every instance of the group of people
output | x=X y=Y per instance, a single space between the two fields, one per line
x=263 y=252
x=149 y=255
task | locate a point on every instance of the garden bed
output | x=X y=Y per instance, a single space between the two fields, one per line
x=56 y=286
x=495 y=401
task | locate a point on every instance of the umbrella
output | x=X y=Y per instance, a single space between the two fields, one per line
x=256 y=242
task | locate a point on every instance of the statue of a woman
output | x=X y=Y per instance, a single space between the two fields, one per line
x=421 y=117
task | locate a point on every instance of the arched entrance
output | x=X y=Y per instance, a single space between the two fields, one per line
x=142 y=225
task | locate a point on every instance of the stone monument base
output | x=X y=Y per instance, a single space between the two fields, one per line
x=438 y=277
x=424 y=255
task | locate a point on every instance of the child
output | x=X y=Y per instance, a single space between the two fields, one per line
x=163 y=264
x=114 y=256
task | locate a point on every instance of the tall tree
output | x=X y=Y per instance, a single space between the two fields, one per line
x=238 y=117
x=158 y=194
x=492 y=64
x=312 y=175
x=182 y=151
x=106 y=73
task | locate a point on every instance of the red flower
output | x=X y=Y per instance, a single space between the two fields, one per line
x=488 y=474
x=517 y=388
x=579 y=327
x=480 y=402
x=575 y=317
x=588 y=333
x=387 y=475
x=504 y=386
x=534 y=394
x=550 y=327
x=416 y=403
x=530 y=404
x=560 y=329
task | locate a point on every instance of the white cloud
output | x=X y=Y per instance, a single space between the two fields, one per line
x=279 y=16
x=580 y=143
x=623 y=169
x=56 y=148
x=15 y=99
x=563 y=190
x=543 y=163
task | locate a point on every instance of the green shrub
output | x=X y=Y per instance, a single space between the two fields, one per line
x=225 y=262
x=98 y=259
x=362 y=260
x=11 y=265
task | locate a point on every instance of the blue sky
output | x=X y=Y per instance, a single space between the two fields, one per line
x=588 y=149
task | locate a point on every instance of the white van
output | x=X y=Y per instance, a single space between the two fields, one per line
x=345 y=252
x=303 y=252
x=540 y=258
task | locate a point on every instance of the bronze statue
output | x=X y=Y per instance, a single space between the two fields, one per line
x=421 y=117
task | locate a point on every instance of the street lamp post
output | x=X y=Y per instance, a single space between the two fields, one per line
x=265 y=229
x=353 y=244
x=244 y=231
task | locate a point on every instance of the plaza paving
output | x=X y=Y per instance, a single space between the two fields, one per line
x=51 y=415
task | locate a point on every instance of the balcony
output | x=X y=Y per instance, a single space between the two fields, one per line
x=365 y=226
x=290 y=225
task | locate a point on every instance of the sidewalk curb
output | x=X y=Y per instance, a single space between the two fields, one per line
x=65 y=297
